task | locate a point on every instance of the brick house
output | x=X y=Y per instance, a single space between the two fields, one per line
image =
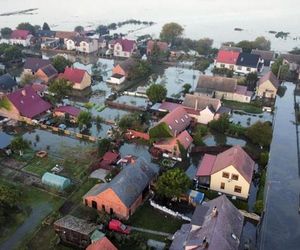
x=79 y=78
x=125 y=193
x=47 y=73
x=124 y=48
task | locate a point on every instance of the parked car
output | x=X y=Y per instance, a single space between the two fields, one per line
x=118 y=226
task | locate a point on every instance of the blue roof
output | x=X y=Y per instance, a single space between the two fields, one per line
x=5 y=140
x=196 y=197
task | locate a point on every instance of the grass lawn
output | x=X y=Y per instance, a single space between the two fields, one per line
x=149 y=218
x=40 y=166
x=247 y=107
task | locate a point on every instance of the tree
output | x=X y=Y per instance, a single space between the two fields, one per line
x=27 y=26
x=79 y=29
x=279 y=69
x=246 y=45
x=10 y=52
x=260 y=133
x=262 y=43
x=170 y=32
x=199 y=132
x=142 y=69
x=156 y=93
x=186 y=88
x=251 y=80
x=130 y=121
x=9 y=196
x=6 y=32
x=220 y=125
x=204 y=46
x=19 y=144
x=84 y=119
x=46 y=26
x=173 y=183
x=60 y=88
x=60 y=63
x=295 y=51
x=103 y=146
x=202 y=63
x=28 y=79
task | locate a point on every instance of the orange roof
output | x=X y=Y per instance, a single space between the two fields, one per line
x=229 y=57
x=73 y=75
x=102 y=244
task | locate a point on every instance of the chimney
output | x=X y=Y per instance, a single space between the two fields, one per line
x=214 y=212
x=23 y=92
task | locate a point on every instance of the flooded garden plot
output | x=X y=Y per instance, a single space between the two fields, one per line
x=132 y=100
x=247 y=119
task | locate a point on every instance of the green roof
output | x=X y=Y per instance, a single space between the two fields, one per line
x=55 y=181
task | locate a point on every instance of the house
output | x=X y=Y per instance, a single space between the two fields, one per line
x=222 y=88
x=121 y=71
x=292 y=60
x=20 y=37
x=24 y=102
x=47 y=73
x=125 y=193
x=63 y=36
x=204 y=109
x=215 y=225
x=67 y=111
x=162 y=47
x=79 y=78
x=267 y=56
x=33 y=64
x=229 y=172
x=100 y=242
x=124 y=48
x=7 y=84
x=74 y=231
x=226 y=59
x=40 y=88
x=102 y=43
x=82 y=44
x=267 y=86
x=107 y=161
x=45 y=35
x=248 y=63
x=172 y=147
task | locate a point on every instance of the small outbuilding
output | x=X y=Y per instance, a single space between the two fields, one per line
x=55 y=181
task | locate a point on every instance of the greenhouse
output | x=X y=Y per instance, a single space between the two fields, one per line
x=56 y=181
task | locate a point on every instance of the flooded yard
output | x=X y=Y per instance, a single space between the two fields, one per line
x=246 y=119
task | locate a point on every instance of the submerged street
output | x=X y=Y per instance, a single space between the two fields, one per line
x=280 y=228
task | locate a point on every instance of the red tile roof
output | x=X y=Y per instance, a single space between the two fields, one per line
x=234 y=156
x=185 y=139
x=169 y=106
x=73 y=75
x=69 y=110
x=177 y=120
x=127 y=45
x=110 y=157
x=28 y=102
x=206 y=165
x=19 y=34
x=228 y=57
x=271 y=77
x=102 y=244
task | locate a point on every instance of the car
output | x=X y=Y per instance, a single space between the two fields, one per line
x=118 y=226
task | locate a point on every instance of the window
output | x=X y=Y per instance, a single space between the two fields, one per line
x=170 y=127
x=237 y=189
x=239 y=68
x=94 y=204
x=222 y=185
x=225 y=175
x=235 y=177
x=222 y=65
x=176 y=121
x=248 y=69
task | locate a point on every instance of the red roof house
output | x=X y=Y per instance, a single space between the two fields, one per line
x=124 y=47
x=162 y=46
x=27 y=102
x=20 y=34
x=227 y=57
x=70 y=110
x=79 y=78
x=230 y=172
x=102 y=244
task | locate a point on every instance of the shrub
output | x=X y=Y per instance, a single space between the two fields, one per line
x=161 y=130
x=263 y=159
x=259 y=207
x=221 y=125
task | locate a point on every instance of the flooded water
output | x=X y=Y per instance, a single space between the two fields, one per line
x=281 y=224
x=247 y=120
x=200 y=18
x=220 y=139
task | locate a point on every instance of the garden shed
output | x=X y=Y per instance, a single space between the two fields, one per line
x=56 y=181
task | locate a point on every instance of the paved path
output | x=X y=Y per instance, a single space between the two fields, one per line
x=151 y=231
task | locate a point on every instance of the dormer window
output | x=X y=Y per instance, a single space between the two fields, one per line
x=182 y=120
x=170 y=127
x=176 y=121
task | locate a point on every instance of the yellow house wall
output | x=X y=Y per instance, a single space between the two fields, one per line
x=268 y=88
x=86 y=82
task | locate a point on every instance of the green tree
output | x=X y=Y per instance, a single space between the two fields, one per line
x=279 y=69
x=246 y=45
x=295 y=51
x=186 y=88
x=202 y=63
x=60 y=63
x=262 y=43
x=103 y=146
x=79 y=29
x=173 y=183
x=204 y=46
x=19 y=144
x=6 y=32
x=28 y=79
x=10 y=52
x=156 y=93
x=9 y=196
x=130 y=121
x=141 y=70
x=199 y=132
x=221 y=125
x=84 y=119
x=251 y=80
x=27 y=26
x=60 y=88
x=260 y=133
x=170 y=32
x=46 y=26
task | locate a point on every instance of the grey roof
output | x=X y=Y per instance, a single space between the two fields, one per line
x=129 y=183
x=215 y=83
x=291 y=58
x=248 y=60
x=5 y=140
x=75 y=224
x=264 y=54
x=218 y=230
x=201 y=102
x=49 y=70
x=7 y=82
x=128 y=64
x=34 y=64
